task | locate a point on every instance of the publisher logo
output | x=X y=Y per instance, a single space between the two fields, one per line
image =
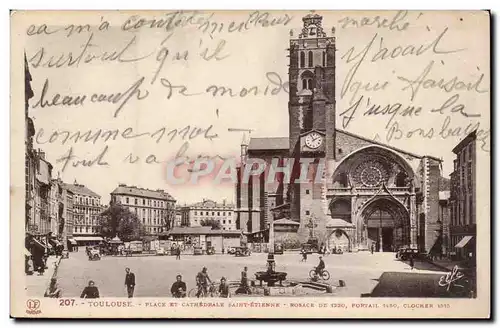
x=33 y=306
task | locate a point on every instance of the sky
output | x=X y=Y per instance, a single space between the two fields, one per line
x=435 y=61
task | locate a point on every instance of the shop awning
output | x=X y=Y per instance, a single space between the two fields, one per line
x=88 y=238
x=463 y=242
x=72 y=241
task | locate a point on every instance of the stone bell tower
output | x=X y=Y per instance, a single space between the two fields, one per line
x=311 y=115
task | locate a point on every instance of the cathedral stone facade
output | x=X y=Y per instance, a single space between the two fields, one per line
x=370 y=194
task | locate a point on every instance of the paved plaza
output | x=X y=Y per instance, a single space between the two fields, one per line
x=155 y=274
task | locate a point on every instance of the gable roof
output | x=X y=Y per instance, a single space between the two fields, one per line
x=141 y=192
x=386 y=145
x=282 y=143
x=80 y=190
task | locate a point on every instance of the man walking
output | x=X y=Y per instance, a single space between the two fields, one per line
x=178 y=253
x=129 y=282
x=412 y=262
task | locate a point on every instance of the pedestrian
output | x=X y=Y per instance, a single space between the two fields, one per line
x=129 y=282
x=222 y=250
x=179 y=288
x=53 y=291
x=39 y=264
x=304 y=255
x=412 y=262
x=224 y=289
x=30 y=266
x=244 y=281
x=178 y=253
x=91 y=291
x=372 y=248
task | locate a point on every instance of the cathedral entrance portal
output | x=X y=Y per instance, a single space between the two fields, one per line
x=387 y=225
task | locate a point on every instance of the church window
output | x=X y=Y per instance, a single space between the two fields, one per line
x=302 y=59
x=340 y=150
x=310 y=59
x=307 y=212
x=307 y=80
x=401 y=179
x=307 y=191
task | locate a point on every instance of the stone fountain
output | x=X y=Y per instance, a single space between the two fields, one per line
x=276 y=282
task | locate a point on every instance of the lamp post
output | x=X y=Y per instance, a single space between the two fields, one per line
x=381 y=247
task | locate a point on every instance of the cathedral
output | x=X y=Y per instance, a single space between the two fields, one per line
x=371 y=195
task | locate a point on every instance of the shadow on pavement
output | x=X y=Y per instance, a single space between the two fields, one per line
x=408 y=284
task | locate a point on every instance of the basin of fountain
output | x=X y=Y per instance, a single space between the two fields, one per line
x=270 y=276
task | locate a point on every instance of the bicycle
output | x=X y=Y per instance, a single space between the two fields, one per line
x=199 y=291
x=325 y=275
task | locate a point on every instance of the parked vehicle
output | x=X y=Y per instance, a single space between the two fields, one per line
x=135 y=246
x=312 y=246
x=210 y=250
x=242 y=251
x=337 y=250
x=404 y=253
x=94 y=254
x=198 y=250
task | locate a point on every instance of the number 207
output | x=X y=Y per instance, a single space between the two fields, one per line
x=66 y=302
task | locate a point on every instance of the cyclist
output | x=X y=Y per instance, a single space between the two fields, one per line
x=321 y=266
x=202 y=280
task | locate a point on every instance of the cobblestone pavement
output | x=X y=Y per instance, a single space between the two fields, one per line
x=155 y=274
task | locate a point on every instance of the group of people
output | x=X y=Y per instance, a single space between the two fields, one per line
x=91 y=290
x=204 y=285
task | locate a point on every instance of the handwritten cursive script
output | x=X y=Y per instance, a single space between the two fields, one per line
x=450 y=279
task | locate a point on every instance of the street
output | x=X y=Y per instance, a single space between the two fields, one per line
x=155 y=274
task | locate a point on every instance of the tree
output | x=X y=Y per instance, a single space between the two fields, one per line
x=119 y=221
x=215 y=224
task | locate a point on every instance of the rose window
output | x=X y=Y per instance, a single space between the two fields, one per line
x=370 y=174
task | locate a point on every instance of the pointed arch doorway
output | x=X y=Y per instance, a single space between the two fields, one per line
x=387 y=224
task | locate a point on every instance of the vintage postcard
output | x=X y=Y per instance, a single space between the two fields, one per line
x=250 y=164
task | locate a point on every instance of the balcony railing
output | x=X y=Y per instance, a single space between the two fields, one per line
x=348 y=191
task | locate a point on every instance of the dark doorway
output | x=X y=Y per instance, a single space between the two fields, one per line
x=387 y=239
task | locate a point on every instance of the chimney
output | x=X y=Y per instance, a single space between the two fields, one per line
x=224 y=202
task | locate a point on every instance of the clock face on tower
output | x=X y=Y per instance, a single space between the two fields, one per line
x=314 y=140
